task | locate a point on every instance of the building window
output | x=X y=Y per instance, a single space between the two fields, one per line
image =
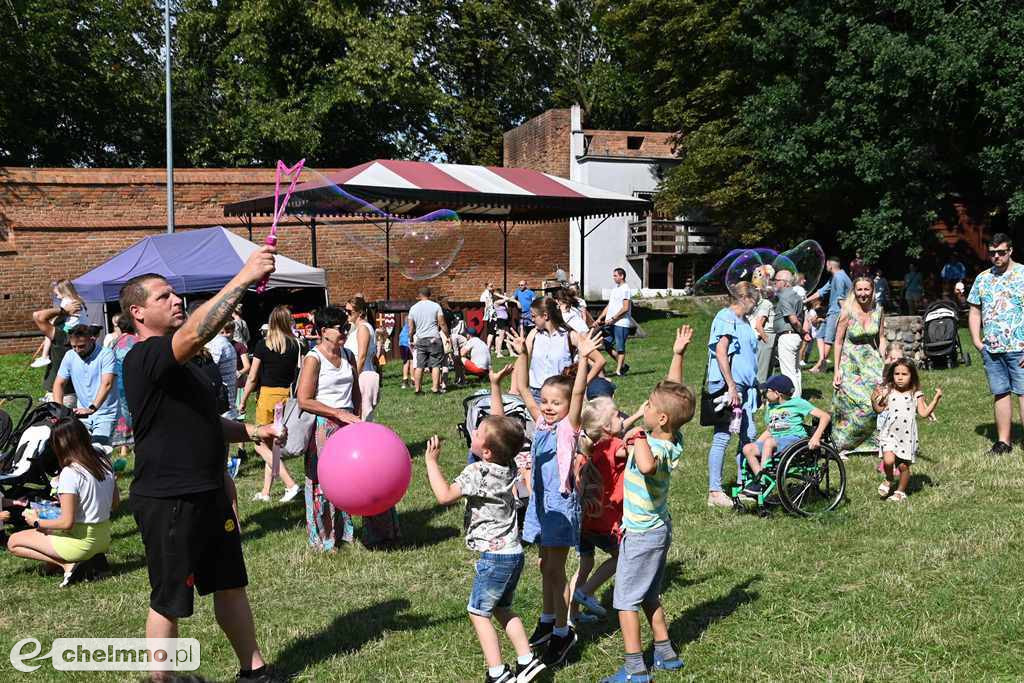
x=634 y=141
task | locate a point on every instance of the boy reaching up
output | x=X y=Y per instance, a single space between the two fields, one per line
x=491 y=530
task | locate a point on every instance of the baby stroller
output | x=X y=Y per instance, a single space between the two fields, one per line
x=27 y=463
x=942 y=337
x=478 y=406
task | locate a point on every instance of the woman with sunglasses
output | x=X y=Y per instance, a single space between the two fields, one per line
x=329 y=389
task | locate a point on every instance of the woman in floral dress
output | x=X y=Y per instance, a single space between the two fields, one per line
x=859 y=349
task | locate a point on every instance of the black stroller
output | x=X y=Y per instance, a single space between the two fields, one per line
x=27 y=463
x=942 y=337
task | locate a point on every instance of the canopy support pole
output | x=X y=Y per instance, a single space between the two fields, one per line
x=504 y=254
x=312 y=238
x=387 y=255
x=248 y=224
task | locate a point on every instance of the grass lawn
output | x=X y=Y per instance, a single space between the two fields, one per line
x=925 y=590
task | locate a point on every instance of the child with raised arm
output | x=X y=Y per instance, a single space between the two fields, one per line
x=646 y=523
x=491 y=530
x=553 y=512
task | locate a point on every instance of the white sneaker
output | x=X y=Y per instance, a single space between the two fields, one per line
x=40 y=362
x=262 y=497
x=717 y=499
x=290 y=493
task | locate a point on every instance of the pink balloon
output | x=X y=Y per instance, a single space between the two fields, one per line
x=364 y=469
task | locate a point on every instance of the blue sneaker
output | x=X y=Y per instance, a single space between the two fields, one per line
x=621 y=676
x=233 y=465
x=589 y=602
x=674 y=664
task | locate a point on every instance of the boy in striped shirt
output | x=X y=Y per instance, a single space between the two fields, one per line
x=646 y=522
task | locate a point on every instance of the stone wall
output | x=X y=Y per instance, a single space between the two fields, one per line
x=908 y=331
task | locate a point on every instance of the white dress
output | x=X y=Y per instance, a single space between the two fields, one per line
x=898 y=432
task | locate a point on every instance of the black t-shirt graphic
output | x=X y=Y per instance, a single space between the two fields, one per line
x=179 y=441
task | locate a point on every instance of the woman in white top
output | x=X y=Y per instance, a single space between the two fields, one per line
x=551 y=346
x=87 y=492
x=328 y=388
x=572 y=315
x=362 y=342
x=490 y=315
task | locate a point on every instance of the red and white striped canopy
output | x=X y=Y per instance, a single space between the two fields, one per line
x=405 y=188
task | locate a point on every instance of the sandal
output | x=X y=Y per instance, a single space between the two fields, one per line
x=884 y=488
x=897 y=497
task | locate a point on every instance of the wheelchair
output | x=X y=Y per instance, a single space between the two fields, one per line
x=802 y=481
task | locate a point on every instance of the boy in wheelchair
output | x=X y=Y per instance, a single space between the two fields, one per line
x=784 y=418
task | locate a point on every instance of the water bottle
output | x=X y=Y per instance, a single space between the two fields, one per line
x=737 y=419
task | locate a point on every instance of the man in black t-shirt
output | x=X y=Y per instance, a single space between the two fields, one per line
x=180 y=493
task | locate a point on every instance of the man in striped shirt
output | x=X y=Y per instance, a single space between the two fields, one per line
x=646 y=521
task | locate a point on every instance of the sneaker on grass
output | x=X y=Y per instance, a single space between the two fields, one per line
x=527 y=672
x=622 y=676
x=558 y=647
x=505 y=676
x=542 y=633
x=589 y=602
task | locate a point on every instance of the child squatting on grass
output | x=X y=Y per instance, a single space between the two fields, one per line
x=491 y=530
x=784 y=421
x=646 y=522
x=552 y=519
x=602 y=447
x=897 y=398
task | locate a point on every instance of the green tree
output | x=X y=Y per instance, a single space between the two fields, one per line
x=859 y=116
x=80 y=83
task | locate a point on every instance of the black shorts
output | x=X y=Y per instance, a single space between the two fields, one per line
x=501 y=323
x=405 y=352
x=191 y=541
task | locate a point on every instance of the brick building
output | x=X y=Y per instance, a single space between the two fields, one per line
x=657 y=252
x=57 y=223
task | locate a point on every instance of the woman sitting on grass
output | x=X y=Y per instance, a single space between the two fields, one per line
x=87 y=491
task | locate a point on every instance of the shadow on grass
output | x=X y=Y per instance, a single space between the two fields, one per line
x=673 y=578
x=273 y=518
x=417 y=531
x=988 y=430
x=918 y=482
x=689 y=626
x=349 y=632
x=811 y=393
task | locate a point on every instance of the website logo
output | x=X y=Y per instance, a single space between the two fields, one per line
x=108 y=654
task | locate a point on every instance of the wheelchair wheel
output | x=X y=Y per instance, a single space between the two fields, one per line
x=811 y=482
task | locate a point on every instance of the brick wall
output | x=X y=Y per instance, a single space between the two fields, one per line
x=542 y=143
x=616 y=143
x=58 y=223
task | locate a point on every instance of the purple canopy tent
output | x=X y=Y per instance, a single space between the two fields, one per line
x=192 y=261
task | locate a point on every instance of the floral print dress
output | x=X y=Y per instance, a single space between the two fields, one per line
x=853 y=417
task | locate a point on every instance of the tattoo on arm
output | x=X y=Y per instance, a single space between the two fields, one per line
x=219 y=313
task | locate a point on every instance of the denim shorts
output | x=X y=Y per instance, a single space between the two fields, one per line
x=1005 y=375
x=494 y=585
x=781 y=444
x=831 y=325
x=616 y=339
x=589 y=541
x=641 y=568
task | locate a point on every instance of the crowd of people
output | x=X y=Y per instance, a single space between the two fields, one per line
x=592 y=478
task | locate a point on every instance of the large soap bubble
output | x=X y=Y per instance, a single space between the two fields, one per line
x=808 y=260
x=419 y=248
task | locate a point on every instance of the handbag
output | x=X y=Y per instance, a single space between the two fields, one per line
x=709 y=416
x=300 y=426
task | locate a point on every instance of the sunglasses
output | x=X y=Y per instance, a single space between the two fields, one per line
x=998 y=252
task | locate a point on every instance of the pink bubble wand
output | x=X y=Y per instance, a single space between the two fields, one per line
x=280 y=206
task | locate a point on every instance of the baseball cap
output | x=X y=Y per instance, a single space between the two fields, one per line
x=779 y=383
x=599 y=386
